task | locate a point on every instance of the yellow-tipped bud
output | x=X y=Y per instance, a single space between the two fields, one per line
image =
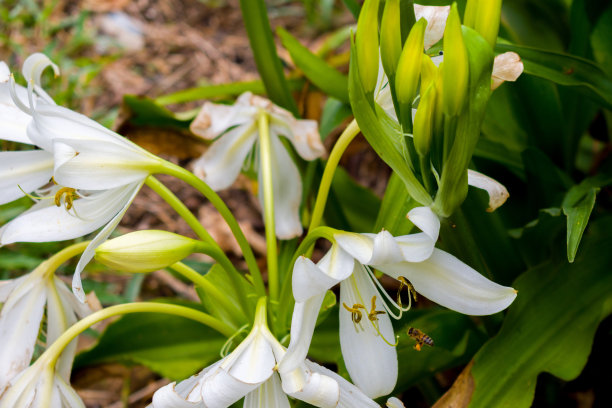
x=455 y=72
x=484 y=17
x=429 y=71
x=390 y=36
x=409 y=65
x=423 y=121
x=145 y=251
x=366 y=42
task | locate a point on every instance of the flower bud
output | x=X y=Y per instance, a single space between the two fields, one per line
x=390 y=37
x=455 y=71
x=423 y=120
x=145 y=251
x=409 y=66
x=484 y=16
x=366 y=42
x=429 y=72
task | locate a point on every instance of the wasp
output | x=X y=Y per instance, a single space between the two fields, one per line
x=420 y=338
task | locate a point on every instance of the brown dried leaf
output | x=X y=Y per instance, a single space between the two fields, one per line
x=460 y=394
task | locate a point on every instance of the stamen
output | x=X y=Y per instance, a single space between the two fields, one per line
x=355 y=312
x=373 y=315
x=69 y=195
x=385 y=295
x=225 y=349
x=15 y=98
x=411 y=292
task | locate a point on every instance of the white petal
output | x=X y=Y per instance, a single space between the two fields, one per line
x=497 y=192
x=23 y=171
x=426 y=220
x=268 y=395
x=371 y=362
x=14 y=120
x=449 y=282
x=303 y=135
x=221 y=163
x=35 y=64
x=125 y=196
x=303 y=324
x=68 y=396
x=167 y=397
x=287 y=186
x=99 y=165
x=350 y=395
x=436 y=22
x=5 y=72
x=395 y=403
x=309 y=280
x=214 y=119
x=359 y=246
x=252 y=361
x=337 y=263
x=312 y=387
x=20 y=319
x=506 y=67
x=385 y=249
x=221 y=390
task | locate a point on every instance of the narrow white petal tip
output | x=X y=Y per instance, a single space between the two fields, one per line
x=426 y=220
x=498 y=194
x=394 y=402
x=34 y=66
x=506 y=67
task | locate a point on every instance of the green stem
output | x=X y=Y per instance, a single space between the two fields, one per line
x=426 y=173
x=180 y=208
x=235 y=277
x=209 y=193
x=211 y=290
x=54 y=262
x=54 y=351
x=265 y=145
x=344 y=140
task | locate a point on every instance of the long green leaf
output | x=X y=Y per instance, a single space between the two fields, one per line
x=268 y=64
x=316 y=70
x=550 y=326
x=565 y=69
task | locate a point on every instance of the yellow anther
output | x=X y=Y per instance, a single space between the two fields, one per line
x=356 y=314
x=373 y=315
x=68 y=193
x=411 y=292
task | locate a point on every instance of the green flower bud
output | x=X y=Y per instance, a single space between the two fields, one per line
x=366 y=42
x=455 y=72
x=429 y=72
x=484 y=17
x=390 y=36
x=145 y=251
x=423 y=120
x=409 y=66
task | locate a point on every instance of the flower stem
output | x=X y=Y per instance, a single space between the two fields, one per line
x=344 y=140
x=209 y=193
x=54 y=262
x=180 y=208
x=54 y=351
x=216 y=295
x=265 y=145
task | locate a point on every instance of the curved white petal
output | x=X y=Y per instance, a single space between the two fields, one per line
x=167 y=397
x=337 y=263
x=426 y=220
x=497 y=192
x=370 y=361
x=268 y=395
x=221 y=163
x=14 y=120
x=310 y=280
x=359 y=246
x=20 y=319
x=449 y=282
x=350 y=395
x=303 y=135
x=303 y=324
x=35 y=64
x=68 y=396
x=436 y=22
x=394 y=402
x=312 y=387
x=287 y=186
x=23 y=171
x=214 y=119
x=124 y=197
x=221 y=390
x=99 y=165
x=506 y=67
x=5 y=72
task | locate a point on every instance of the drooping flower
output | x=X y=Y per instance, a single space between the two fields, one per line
x=237 y=132
x=366 y=333
x=24 y=301
x=250 y=372
x=98 y=172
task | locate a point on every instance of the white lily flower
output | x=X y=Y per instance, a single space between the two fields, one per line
x=250 y=372
x=99 y=172
x=24 y=302
x=40 y=386
x=22 y=171
x=236 y=127
x=366 y=333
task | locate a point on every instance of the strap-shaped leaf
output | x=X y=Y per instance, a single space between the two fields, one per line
x=316 y=70
x=564 y=69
